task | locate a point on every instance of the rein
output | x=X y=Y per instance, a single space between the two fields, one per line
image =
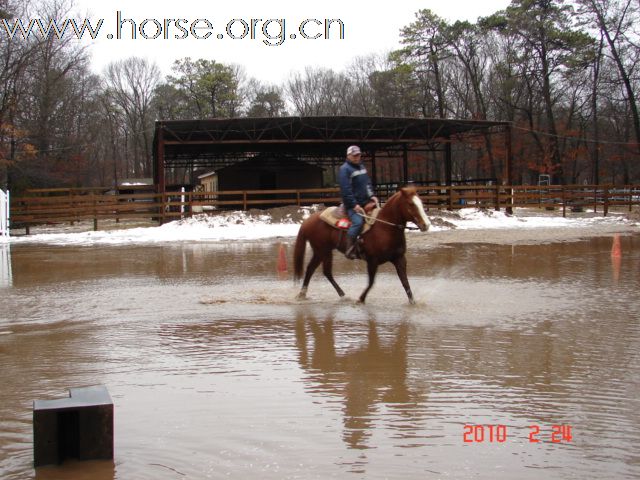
x=375 y=219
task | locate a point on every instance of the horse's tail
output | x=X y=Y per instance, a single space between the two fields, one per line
x=298 y=254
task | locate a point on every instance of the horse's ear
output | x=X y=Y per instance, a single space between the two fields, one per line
x=408 y=191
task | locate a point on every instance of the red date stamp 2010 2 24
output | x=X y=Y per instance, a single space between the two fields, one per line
x=499 y=434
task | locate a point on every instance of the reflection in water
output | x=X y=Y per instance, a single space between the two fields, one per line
x=363 y=376
x=254 y=384
x=5 y=265
x=616 y=265
x=90 y=470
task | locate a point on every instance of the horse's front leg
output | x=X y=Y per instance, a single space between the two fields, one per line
x=401 y=267
x=372 y=268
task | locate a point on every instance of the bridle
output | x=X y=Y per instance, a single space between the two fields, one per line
x=376 y=219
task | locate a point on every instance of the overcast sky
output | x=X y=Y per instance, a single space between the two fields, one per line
x=366 y=30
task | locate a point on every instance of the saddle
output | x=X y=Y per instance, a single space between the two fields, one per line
x=337 y=216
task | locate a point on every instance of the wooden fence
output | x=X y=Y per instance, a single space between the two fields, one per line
x=72 y=205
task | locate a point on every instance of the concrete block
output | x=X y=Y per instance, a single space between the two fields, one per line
x=80 y=426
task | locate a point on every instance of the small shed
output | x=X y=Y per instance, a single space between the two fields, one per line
x=209 y=181
x=129 y=186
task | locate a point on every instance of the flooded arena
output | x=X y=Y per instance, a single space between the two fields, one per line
x=518 y=361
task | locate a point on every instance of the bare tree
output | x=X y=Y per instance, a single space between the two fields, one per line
x=320 y=91
x=131 y=85
x=616 y=20
x=549 y=40
x=15 y=55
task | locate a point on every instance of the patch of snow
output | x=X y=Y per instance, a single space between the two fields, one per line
x=255 y=226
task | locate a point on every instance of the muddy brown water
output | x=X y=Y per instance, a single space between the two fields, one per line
x=216 y=371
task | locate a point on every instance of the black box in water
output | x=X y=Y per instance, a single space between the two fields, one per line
x=80 y=427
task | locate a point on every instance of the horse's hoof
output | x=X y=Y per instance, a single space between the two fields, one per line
x=301 y=296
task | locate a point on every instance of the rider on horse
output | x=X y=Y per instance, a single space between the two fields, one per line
x=356 y=191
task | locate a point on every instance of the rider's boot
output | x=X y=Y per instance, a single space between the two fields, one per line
x=351 y=249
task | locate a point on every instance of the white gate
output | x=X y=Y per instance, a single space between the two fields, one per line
x=4 y=215
x=5 y=265
x=5 y=259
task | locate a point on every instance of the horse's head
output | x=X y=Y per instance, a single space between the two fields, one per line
x=412 y=209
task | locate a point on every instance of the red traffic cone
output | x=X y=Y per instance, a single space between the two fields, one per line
x=616 y=250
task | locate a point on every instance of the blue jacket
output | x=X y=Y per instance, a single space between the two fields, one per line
x=355 y=185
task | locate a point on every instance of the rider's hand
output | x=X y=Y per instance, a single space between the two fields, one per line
x=359 y=209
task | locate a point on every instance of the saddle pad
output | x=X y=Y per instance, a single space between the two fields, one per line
x=337 y=218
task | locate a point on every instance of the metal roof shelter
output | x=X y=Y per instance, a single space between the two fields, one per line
x=214 y=143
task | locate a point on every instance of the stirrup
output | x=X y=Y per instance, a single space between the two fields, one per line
x=353 y=251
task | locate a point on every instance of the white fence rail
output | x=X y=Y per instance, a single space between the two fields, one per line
x=4 y=215
x=5 y=265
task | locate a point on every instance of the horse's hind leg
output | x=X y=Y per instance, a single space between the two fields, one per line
x=327 y=269
x=311 y=267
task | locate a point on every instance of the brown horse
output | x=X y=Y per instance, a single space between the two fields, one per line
x=384 y=242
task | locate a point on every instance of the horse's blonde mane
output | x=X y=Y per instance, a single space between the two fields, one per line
x=394 y=198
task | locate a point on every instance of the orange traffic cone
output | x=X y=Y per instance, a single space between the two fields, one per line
x=282 y=259
x=616 y=251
